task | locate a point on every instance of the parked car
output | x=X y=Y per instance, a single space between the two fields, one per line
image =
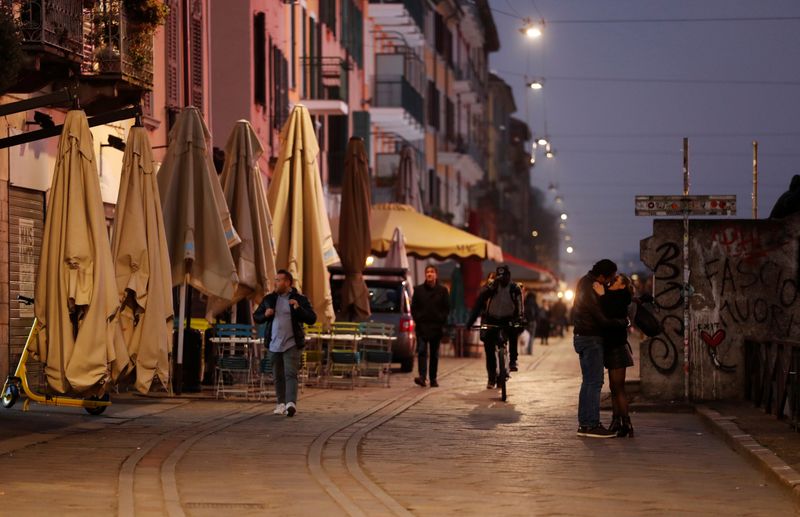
x=390 y=302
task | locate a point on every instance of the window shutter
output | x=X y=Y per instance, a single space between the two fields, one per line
x=172 y=34
x=196 y=53
x=260 y=59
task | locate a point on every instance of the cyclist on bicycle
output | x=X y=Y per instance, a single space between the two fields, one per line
x=500 y=305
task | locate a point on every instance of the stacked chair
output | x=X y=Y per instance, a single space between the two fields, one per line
x=235 y=356
x=343 y=354
x=376 y=352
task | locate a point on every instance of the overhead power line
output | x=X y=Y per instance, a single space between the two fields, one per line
x=657 y=80
x=660 y=20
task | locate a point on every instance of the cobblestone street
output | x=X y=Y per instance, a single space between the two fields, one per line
x=455 y=450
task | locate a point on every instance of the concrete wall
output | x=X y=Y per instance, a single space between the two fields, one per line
x=744 y=276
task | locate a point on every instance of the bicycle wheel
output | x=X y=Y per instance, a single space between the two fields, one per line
x=502 y=376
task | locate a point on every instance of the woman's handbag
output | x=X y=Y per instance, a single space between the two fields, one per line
x=646 y=320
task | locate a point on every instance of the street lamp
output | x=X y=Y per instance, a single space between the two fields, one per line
x=563 y=216
x=570 y=249
x=531 y=29
x=534 y=233
x=542 y=141
x=536 y=84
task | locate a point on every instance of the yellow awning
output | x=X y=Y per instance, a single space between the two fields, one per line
x=425 y=236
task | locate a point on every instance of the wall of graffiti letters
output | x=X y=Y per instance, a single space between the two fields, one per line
x=744 y=283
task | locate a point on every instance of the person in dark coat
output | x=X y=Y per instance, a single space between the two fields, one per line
x=789 y=202
x=531 y=317
x=430 y=307
x=617 y=356
x=285 y=311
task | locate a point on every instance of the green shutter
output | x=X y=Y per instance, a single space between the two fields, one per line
x=361 y=123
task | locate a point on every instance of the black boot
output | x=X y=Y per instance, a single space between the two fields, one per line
x=626 y=428
x=615 y=423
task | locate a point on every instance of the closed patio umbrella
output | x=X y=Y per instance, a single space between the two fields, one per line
x=303 y=241
x=141 y=261
x=398 y=258
x=245 y=197
x=198 y=225
x=355 y=241
x=76 y=297
x=408 y=183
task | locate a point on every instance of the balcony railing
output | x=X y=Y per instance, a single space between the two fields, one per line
x=117 y=48
x=414 y=7
x=326 y=78
x=51 y=26
x=398 y=93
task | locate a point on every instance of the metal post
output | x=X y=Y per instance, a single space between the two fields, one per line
x=755 y=179
x=685 y=293
x=177 y=381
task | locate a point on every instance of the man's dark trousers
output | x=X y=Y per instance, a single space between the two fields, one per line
x=423 y=346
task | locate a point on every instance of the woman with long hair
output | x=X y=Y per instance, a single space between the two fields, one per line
x=617 y=356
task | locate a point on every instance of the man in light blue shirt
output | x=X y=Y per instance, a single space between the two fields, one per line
x=285 y=311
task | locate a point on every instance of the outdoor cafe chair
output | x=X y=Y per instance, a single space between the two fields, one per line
x=343 y=355
x=234 y=342
x=376 y=352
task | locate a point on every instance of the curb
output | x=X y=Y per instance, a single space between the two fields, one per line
x=758 y=455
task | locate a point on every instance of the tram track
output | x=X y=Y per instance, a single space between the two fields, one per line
x=327 y=472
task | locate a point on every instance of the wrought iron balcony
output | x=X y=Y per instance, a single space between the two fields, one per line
x=51 y=26
x=117 y=49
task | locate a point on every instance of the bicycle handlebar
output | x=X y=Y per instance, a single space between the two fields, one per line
x=485 y=326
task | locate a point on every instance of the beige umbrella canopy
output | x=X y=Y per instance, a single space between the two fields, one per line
x=141 y=260
x=76 y=297
x=303 y=240
x=198 y=225
x=398 y=257
x=354 y=241
x=247 y=202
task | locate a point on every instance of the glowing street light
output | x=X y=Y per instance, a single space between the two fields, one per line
x=531 y=29
x=542 y=141
x=534 y=233
x=370 y=260
x=570 y=249
x=536 y=85
x=563 y=216
x=569 y=294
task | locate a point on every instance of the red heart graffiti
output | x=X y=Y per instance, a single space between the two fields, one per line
x=715 y=340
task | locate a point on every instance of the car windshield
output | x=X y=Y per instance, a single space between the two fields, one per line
x=384 y=297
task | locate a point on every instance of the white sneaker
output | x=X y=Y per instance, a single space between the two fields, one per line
x=280 y=409
x=291 y=409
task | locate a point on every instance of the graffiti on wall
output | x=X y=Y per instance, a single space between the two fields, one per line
x=663 y=349
x=713 y=336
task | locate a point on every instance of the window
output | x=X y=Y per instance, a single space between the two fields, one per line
x=260 y=59
x=433 y=105
x=337 y=147
x=327 y=14
x=353 y=31
x=280 y=88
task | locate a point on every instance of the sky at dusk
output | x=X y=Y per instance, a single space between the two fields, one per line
x=619 y=97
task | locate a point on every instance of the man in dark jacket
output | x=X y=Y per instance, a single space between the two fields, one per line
x=285 y=311
x=430 y=307
x=589 y=325
x=499 y=304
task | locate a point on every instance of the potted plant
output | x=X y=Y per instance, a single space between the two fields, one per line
x=11 y=57
x=144 y=17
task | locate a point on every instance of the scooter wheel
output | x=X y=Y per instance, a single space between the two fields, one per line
x=10 y=395
x=97 y=410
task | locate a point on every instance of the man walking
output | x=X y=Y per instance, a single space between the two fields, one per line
x=590 y=323
x=285 y=311
x=500 y=305
x=531 y=317
x=430 y=307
